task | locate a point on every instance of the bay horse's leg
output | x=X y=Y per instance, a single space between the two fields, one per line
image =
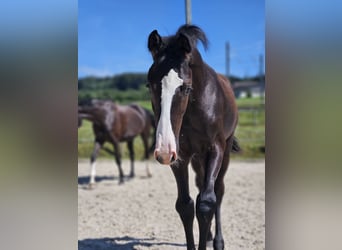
x=206 y=202
x=184 y=204
x=144 y=137
x=97 y=147
x=131 y=156
x=219 y=191
x=117 y=154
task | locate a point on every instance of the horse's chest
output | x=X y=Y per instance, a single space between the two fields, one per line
x=192 y=140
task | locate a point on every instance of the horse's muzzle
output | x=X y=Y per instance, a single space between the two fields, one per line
x=165 y=158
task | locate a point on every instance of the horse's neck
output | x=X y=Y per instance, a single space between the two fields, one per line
x=200 y=78
x=91 y=113
x=198 y=67
x=86 y=116
x=88 y=110
x=205 y=88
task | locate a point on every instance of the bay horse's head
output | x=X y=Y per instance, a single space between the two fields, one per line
x=170 y=84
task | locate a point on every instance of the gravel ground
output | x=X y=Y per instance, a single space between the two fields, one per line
x=140 y=214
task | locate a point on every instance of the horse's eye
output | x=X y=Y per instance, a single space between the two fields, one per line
x=148 y=85
x=186 y=89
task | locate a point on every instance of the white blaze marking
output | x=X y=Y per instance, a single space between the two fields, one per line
x=165 y=137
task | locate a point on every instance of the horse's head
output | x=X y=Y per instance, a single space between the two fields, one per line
x=170 y=83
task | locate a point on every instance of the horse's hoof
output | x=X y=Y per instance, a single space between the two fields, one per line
x=218 y=244
x=132 y=175
x=149 y=175
x=91 y=186
x=121 y=181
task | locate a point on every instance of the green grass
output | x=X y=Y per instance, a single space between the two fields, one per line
x=250 y=133
x=250 y=102
x=145 y=104
x=251 y=139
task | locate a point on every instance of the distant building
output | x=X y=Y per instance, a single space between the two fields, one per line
x=249 y=89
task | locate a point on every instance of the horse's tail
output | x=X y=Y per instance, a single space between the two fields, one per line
x=236 y=147
x=153 y=123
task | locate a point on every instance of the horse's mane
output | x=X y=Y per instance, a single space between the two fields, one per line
x=194 y=33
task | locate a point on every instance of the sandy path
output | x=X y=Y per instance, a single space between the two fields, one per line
x=140 y=214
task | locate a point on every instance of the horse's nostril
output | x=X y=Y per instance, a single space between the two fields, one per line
x=165 y=158
x=173 y=157
x=159 y=158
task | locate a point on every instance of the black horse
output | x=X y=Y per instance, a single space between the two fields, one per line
x=196 y=118
x=116 y=123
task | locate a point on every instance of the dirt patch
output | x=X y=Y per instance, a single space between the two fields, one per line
x=140 y=214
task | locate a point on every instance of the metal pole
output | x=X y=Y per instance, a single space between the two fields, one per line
x=188 y=11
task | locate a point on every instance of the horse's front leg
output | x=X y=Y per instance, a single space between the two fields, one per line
x=117 y=154
x=206 y=200
x=97 y=147
x=184 y=204
x=131 y=156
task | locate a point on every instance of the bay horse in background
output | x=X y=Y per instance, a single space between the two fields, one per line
x=116 y=123
x=196 y=119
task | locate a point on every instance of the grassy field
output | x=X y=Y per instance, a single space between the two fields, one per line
x=250 y=133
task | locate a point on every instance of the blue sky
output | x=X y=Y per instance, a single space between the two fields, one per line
x=112 y=34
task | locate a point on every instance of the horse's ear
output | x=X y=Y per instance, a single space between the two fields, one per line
x=184 y=43
x=154 y=42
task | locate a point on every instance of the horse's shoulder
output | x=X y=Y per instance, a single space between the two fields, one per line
x=223 y=78
x=225 y=85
